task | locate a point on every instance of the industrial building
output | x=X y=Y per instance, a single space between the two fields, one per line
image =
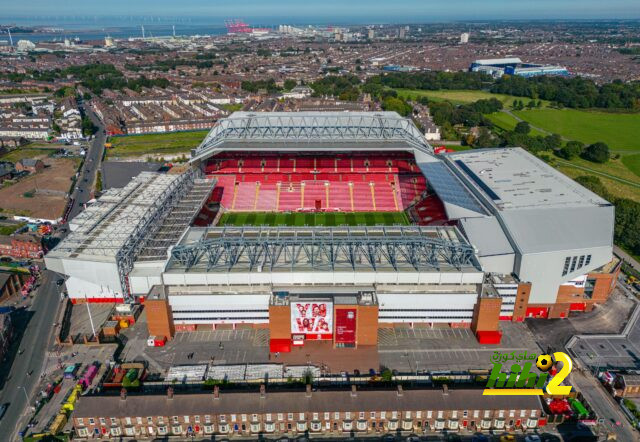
x=496 y=235
x=497 y=67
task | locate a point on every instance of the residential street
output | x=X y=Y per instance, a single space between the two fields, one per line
x=89 y=168
x=36 y=323
x=604 y=405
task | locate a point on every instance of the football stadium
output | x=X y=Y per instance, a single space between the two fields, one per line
x=326 y=226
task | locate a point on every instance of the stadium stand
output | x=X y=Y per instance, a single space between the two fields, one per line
x=286 y=182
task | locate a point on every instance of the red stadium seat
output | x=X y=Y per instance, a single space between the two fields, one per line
x=354 y=182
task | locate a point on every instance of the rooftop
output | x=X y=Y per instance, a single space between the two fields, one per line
x=101 y=231
x=298 y=401
x=514 y=179
x=493 y=61
x=312 y=131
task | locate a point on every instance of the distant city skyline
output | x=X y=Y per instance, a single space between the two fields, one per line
x=325 y=11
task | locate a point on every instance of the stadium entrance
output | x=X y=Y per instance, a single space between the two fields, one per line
x=345 y=320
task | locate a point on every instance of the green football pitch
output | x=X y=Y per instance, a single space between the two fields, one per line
x=313 y=219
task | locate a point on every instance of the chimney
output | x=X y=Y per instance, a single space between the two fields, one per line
x=216 y=392
x=263 y=391
x=400 y=392
x=170 y=393
x=445 y=390
x=354 y=391
x=123 y=394
x=308 y=392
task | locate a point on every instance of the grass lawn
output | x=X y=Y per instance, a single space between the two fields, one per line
x=10 y=228
x=313 y=219
x=171 y=143
x=632 y=162
x=507 y=123
x=25 y=152
x=613 y=187
x=461 y=96
x=617 y=168
x=620 y=131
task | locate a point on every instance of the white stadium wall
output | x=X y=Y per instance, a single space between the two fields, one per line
x=279 y=278
x=544 y=271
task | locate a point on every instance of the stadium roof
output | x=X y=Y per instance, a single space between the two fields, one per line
x=513 y=179
x=498 y=61
x=148 y=214
x=539 y=208
x=526 y=206
x=312 y=131
x=260 y=249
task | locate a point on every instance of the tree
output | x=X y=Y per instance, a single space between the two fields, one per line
x=289 y=84
x=594 y=184
x=627 y=228
x=484 y=139
x=597 y=152
x=553 y=141
x=88 y=128
x=571 y=150
x=398 y=105
x=522 y=128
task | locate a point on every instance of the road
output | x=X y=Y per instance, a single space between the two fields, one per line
x=91 y=165
x=603 y=404
x=37 y=324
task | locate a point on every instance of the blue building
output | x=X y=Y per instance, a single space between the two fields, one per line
x=497 y=67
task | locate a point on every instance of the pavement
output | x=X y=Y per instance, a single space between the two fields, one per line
x=448 y=349
x=609 y=318
x=403 y=349
x=119 y=173
x=603 y=404
x=603 y=351
x=35 y=335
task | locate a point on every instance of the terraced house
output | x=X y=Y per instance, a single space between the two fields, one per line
x=323 y=411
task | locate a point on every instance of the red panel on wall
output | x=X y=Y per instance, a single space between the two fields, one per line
x=578 y=306
x=280 y=345
x=489 y=337
x=537 y=312
x=97 y=300
x=345 y=326
x=505 y=318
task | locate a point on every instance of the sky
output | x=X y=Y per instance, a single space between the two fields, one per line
x=325 y=11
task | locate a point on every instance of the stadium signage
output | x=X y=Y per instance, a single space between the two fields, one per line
x=520 y=381
x=346 y=325
x=314 y=320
